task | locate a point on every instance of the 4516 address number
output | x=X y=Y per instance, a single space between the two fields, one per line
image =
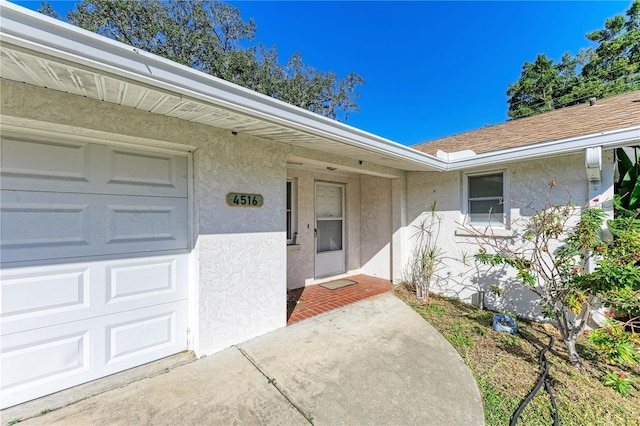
x=235 y=199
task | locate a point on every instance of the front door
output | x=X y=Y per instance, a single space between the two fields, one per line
x=329 y=229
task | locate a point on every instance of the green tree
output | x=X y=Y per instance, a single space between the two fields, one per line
x=211 y=36
x=616 y=61
x=540 y=84
x=551 y=257
x=611 y=68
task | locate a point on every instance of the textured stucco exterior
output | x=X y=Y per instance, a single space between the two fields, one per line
x=528 y=182
x=376 y=229
x=368 y=225
x=301 y=258
x=240 y=265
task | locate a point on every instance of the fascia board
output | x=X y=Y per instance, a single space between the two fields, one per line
x=611 y=139
x=34 y=31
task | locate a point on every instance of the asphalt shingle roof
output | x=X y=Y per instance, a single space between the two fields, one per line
x=612 y=113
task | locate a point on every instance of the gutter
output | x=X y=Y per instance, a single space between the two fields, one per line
x=606 y=140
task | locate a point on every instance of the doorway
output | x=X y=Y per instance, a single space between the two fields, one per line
x=329 y=229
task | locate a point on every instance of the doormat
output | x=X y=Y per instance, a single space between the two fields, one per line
x=333 y=285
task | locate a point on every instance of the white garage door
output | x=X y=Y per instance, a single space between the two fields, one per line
x=94 y=242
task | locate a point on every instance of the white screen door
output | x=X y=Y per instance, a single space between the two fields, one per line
x=329 y=229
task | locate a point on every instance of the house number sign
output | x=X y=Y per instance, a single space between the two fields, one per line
x=235 y=199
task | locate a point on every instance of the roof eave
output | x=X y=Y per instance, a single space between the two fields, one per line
x=607 y=140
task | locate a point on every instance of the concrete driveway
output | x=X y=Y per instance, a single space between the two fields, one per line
x=372 y=362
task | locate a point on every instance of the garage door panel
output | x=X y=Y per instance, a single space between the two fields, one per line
x=142 y=223
x=49 y=359
x=29 y=222
x=94 y=248
x=46 y=359
x=35 y=297
x=139 y=168
x=40 y=161
x=140 y=335
x=151 y=277
x=26 y=296
x=55 y=165
x=45 y=225
x=137 y=224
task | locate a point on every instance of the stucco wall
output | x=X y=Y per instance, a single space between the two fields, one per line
x=301 y=258
x=528 y=182
x=241 y=250
x=376 y=221
x=368 y=225
x=238 y=277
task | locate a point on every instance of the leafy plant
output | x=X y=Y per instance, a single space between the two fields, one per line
x=427 y=258
x=459 y=338
x=547 y=257
x=552 y=260
x=616 y=278
x=627 y=198
x=618 y=381
x=615 y=344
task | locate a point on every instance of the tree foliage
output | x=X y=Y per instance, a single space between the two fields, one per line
x=611 y=68
x=551 y=258
x=211 y=36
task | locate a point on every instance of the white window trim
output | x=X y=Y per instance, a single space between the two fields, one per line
x=294 y=210
x=464 y=202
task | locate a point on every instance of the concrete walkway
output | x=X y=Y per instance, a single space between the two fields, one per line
x=372 y=362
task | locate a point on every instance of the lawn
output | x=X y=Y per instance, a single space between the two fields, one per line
x=505 y=367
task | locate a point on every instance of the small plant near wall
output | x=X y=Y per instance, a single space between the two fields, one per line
x=618 y=381
x=616 y=345
x=627 y=198
x=550 y=255
x=427 y=259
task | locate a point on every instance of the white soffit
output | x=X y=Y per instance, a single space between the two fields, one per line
x=45 y=52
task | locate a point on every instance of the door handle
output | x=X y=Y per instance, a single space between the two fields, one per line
x=315 y=232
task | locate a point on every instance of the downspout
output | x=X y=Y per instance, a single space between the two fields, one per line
x=593 y=164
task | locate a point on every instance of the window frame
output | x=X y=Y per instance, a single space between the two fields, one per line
x=291 y=214
x=506 y=214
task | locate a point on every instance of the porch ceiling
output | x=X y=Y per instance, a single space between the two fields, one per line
x=43 y=70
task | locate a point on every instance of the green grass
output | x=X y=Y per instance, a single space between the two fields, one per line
x=505 y=367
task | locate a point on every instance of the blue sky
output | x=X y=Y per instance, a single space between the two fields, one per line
x=432 y=69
